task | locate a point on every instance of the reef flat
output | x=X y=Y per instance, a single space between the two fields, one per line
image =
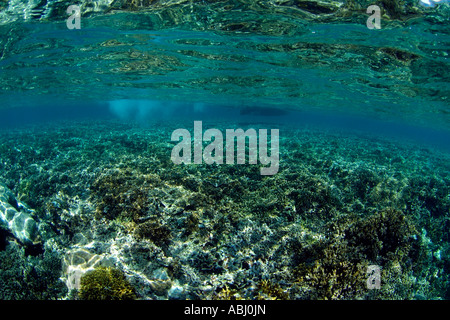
x=112 y=211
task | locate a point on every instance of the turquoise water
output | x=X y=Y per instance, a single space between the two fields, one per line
x=89 y=189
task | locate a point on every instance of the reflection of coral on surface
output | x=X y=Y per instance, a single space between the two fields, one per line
x=431 y=3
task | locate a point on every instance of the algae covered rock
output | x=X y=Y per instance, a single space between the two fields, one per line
x=16 y=217
x=25 y=277
x=105 y=284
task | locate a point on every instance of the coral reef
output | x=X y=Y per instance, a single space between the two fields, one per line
x=97 y=210
x=17 y=217
x=338 y=204
x=270 y=291
x=24 y=277
x=105 y=284
x=385 y=235
x=76 y=262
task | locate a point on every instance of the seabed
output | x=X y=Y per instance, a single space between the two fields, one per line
x=111 y=207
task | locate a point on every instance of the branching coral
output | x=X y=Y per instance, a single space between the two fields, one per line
x=153 y=230
x=123 y=195
x=333 y=276
x=105 y=284
x=271 y=291
x=380 y=236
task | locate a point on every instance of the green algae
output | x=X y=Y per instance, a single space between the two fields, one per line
x=154 y=231
x=105 y=284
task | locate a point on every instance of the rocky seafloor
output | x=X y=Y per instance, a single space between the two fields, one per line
x=97 y=210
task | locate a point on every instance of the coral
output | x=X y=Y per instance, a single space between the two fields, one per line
x=30 y=278
x=192 y=221
x=105 y=284
x=271 y=291
x=12 y=266
x=381 y=236
x=228 y=294
x=153 y=230
x=338 y=204
x=17 y=218
x=363 y=180
x=313 y=197
x=333 y=275
x=205 y=262
x=123 y=195
x=430 y=193
x=77 y=262
x=335 y=268
x=38 y=188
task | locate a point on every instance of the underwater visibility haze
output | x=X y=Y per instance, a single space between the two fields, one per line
x=120 y=176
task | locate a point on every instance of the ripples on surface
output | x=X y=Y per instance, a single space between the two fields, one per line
x=285 y=56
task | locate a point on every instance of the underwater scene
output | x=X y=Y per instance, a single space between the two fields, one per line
x=224 y=150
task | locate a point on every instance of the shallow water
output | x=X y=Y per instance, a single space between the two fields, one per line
x=88 y=179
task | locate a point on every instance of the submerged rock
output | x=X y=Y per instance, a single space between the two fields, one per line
x=17 y=218
x=79 y=261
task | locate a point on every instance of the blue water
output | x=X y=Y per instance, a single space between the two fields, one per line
x=146 y=113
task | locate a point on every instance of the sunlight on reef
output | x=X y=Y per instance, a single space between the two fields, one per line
x=338 y=204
